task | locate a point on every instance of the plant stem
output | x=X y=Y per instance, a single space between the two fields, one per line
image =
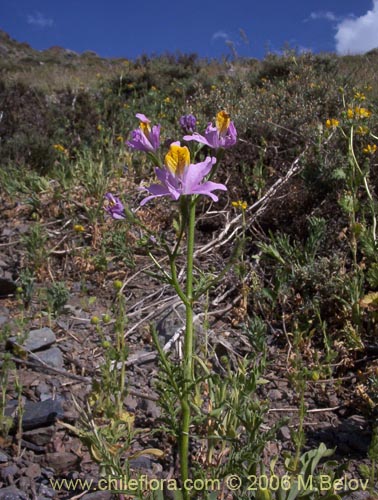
x=188 y=348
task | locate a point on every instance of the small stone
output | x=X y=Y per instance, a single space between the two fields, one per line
x=3 y=320
x=97 y=495
x=141 y=463
x=358 y=495
x=150 y=408
x=61 y=461
x=3 y=458
x=33 y=471
x=43 y=391
x=169 y=323
x=275 y=395
x=36 y=339
x=284 y=433
x=12 y=493
x=52 y=357
x=8 y=473
x=46 y=492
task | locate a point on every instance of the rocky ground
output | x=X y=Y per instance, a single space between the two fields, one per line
x=62 y=356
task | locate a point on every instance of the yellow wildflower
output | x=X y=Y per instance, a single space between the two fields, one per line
x=119 y=138
x=99 y=127
x=167 y=99
x=213 y=87
x=332 y=122
x=362 y=130
x=153 y=88
x=60 y=148
x=359 y=96
x=370 y=149
x=362 y=112
x=79 y=228
x=350 y=113
x=240 y=204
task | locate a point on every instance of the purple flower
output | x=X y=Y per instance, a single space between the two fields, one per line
x=180 y=177
x=188 y=123
x=222 y=135
x=145 y=138
x=114 y=207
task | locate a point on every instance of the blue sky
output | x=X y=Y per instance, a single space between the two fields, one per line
x=125 y=28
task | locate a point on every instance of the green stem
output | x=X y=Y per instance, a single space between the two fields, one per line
x=188 y=348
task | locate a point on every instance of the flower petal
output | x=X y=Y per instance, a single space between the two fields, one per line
x=143 y=118
x=207 y=187
x=198 y=138
x=194 y=174
x=155 y=190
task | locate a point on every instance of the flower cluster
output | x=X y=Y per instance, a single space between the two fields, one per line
x=241 y=205
x=222 y=135
x=179 y=176
x=332 y=123
x=358 y=112
x=370 y=149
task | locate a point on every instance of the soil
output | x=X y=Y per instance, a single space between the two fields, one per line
x=63 y=370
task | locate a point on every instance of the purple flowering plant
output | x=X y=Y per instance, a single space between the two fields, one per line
x=114 y=207
x=182 y=179
x=145 y=138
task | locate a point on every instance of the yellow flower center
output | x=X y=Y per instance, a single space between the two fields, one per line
x=145 y=127
x=177 y=158
x=222 y=122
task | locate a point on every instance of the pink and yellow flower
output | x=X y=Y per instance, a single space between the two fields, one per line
x=145 y=138
x=179 y=177
x=222 y=135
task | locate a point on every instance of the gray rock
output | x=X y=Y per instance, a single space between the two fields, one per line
x=358 y=495
x=97 y=495
x=12 y=493
x=284 y=433
x=33 y=471
x=39 y=437
x=37 y=339
x=141 y=463
x=37 y=414
x=275 y=395
x=3 y=320
x=8 y=473
x=170 y=322
x=52 y=357
x=45 y=492
x=3 y=458
x=43 y=391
